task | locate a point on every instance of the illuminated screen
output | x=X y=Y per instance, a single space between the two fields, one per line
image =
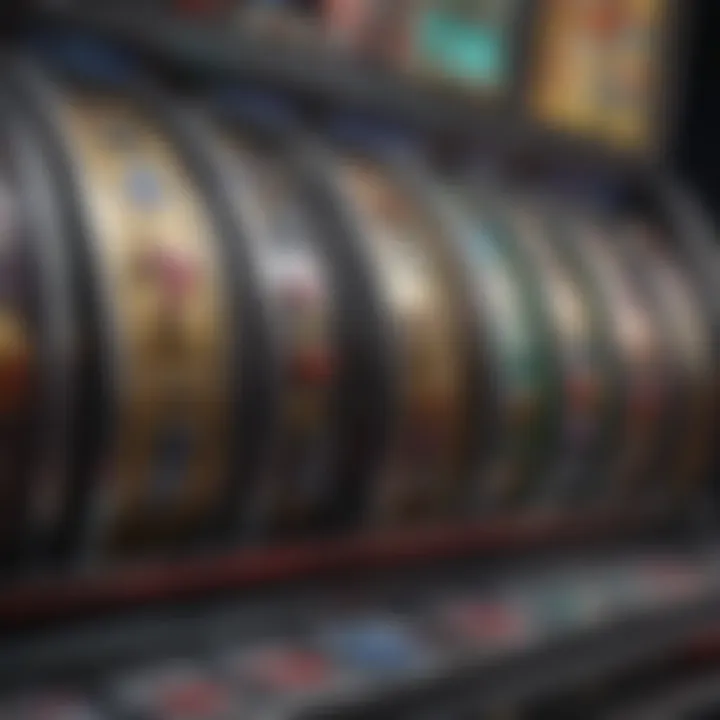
x=466 y=41
x=598 y=65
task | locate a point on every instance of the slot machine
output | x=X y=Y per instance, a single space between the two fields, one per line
x=392 y=370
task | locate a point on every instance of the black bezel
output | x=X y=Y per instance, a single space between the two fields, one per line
x=93 y=392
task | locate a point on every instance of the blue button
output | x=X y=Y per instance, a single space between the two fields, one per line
x=375 y=646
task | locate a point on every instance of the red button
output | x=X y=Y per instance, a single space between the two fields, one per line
x=485 y=621
x=193 y=701
x=288 y=670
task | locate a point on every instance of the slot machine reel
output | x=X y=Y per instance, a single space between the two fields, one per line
x=687 y=335
x=637 y=350
x=516 y=395
x=295 y=489
x=152 y=453
x=422 y=471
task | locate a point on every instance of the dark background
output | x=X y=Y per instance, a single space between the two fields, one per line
x=696 y=147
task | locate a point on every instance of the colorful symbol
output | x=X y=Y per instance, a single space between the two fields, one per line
x=174 y=273
x=143 y=188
